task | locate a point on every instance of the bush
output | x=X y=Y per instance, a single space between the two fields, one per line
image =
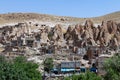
x=18 y=69
x=48 y=64
x=84 y=76
x=112 y=68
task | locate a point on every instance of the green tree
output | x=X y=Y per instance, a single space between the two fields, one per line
x=48 y=64
x=84 y=76
x=112 y=68
x=18 y=69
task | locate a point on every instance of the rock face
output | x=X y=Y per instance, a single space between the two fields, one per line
x=57 y=32
x=106 y=34
x=112 y=27
x=68 y=34
x=89 y=35
x=58 y=36
x=44 y=37
x=89 y=24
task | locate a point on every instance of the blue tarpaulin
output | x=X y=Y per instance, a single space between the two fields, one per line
x=66 y=70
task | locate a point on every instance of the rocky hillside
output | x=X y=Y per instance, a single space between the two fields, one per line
x=20 y=17
x=112 y=16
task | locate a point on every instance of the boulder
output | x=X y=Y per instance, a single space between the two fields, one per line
x=89 y=24
x=57 y=32
x=118 y=27
x=44 y=37
x=112 y=27
x=68 y=34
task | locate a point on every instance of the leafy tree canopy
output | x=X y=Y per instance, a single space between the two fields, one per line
x=18 y=69
x=48 y=64
x=112 y=68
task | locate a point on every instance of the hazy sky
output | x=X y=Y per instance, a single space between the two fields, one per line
x=75 y=8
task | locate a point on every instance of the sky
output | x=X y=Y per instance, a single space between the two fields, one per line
x=74 y=8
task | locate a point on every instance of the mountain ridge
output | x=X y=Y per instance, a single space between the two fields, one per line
x=19 y=17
